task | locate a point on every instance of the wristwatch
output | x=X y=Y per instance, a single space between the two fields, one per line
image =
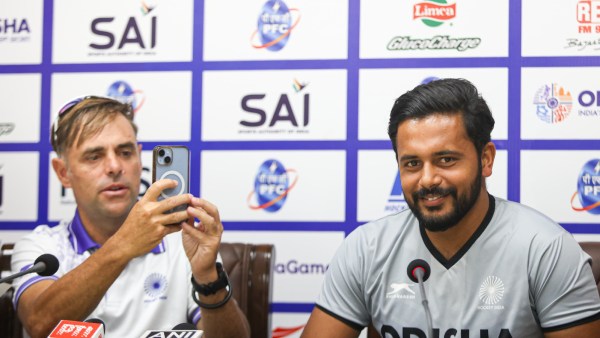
x=212 y=287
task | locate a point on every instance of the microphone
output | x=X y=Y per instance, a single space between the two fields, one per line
x=45 y=265
x=183 y=330
x=99 y=321
x=91 y=328
x=418 y=271
x=185 y=326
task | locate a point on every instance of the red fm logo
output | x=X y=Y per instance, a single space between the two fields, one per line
x=588 y=14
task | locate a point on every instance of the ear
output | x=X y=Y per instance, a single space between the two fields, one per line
x=60 y=168
x=488 y=155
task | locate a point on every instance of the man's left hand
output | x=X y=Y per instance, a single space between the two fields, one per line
x=201 y=241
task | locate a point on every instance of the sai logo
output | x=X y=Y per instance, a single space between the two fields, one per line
x=588 y=188
x=553 y=103
x=434 y=13
x=123 y=92
x=271 y=186
x=275 y=24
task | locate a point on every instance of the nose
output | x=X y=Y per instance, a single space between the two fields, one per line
x=113 y=165
x=430 y=177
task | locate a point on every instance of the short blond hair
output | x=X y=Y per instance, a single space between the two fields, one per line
x=85 y=119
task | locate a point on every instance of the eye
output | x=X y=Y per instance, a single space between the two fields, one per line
x=447 y=160
x=92 y=157
x=411 y=164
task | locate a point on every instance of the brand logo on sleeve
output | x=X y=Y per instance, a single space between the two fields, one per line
x=401 y=290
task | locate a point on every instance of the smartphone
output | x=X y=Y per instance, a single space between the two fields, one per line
x=172 y=162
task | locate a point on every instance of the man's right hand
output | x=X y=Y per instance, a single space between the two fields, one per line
x=147 y=223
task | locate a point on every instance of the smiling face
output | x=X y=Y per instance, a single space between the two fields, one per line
x=104 y=171
x=441 y=171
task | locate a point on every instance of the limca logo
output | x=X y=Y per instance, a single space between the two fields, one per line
x=434 y=13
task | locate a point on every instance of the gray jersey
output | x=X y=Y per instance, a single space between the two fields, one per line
x=519 y=275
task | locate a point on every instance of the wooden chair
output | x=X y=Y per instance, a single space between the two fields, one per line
x=250 y=270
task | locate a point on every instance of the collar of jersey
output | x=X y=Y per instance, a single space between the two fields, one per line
x=448 y=263
x=82 y=242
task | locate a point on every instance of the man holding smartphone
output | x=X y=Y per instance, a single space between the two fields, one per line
x=120 y=258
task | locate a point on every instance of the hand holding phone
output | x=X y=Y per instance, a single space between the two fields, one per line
x=172 y=162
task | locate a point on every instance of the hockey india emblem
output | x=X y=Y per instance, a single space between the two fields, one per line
x=491 y=290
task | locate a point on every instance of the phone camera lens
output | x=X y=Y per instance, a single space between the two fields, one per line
x=168 y=159
x=161 y=152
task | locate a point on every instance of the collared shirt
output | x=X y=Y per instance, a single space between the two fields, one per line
x=152 y=292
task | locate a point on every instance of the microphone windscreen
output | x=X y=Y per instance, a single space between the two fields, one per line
x=185 y=326
x=418 y=264
x=94 y=320
x=51 y=264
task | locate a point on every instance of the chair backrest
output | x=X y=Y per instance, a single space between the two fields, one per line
x=250 y=270
x=591 y=248
x=10 y=326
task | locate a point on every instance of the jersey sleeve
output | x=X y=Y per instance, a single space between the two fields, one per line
x=563 y=289
x=25 y=252
x=342 y=293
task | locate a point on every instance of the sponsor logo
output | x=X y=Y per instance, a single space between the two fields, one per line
x=491 y=292
x=14 y=30
x=434 y=13
x=438 y=42
x=138 y=36
x=589 y=102
x=275 y=24
x=588 y=23
x=155 y=287
x=281 y=332
x=272 y=184
x=401 y=291
x=124 y=92
x=293 y=267
x=396 y=201
x=6 y=128
x=290 y=115
x=588 y=188
x=553 y=103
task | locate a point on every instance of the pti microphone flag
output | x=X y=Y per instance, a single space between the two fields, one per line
x=74 y=329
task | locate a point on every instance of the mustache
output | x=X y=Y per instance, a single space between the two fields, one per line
x=422 y=193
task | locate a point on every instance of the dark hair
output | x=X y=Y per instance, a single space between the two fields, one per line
x=445 y=96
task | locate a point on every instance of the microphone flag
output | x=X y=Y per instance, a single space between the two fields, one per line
x=74 y=329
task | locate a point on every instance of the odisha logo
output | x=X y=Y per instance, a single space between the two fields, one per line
x=553 y=103
x=588 y=188
x=275 y=25
x=434 y=13
x=123 y=92
x=272 y=185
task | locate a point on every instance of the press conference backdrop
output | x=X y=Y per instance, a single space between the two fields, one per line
x=291 y=98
